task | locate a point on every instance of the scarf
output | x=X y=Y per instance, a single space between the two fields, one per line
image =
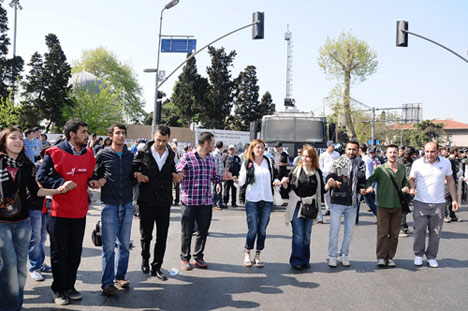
x=351 y=166
x=6 y=161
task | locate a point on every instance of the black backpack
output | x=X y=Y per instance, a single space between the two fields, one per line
x=96 y=236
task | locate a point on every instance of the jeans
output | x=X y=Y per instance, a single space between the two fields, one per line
x=336 y=211
x=370 y=201
x=14 y=245
x=38 y=239
x=116 y=221
x=217 y=197
x=301 y=230
x=202 y=215
x=258 y=217
x=66 y=244
x=228 y=186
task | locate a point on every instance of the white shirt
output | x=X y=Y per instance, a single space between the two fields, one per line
x=160 y=160
x=430 y=179
x=326 y=160
x=260 y=190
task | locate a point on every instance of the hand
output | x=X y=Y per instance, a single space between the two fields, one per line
x=61 y=190
x=370 y=190
x=276 y=183
x=235 y=179
x=141 y=178
x=218 y=188
x=102 y=182
x=285 y=180
x=405 y=190
x=227 y=175
x=333 y=183
x=413 y=191
x=94 y=184
x=363 y=191
x=68 y=185
x=454 y=205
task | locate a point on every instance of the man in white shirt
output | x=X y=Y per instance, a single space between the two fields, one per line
x=325 y=162
x=427 y=182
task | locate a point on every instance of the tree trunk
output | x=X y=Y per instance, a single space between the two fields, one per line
x=347 y=108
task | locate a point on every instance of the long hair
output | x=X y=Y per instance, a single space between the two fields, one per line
x=3 y=138
x=255 y=142
x=312 y=153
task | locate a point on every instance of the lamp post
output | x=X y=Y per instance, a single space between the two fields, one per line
x=156 y=106
x=17 y=6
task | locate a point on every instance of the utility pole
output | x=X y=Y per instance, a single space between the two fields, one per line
x=289 y=101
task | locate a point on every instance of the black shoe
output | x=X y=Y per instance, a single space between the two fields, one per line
x=222 y=206
x=306 y=266
x=327 y=213
x=159 y=275
x=234 y=205
x=297 y=267
x=145 y=266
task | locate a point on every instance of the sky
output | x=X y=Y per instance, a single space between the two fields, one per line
x=421 y=73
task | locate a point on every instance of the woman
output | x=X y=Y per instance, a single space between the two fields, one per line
x=259 y=175
x=17 y=186
x=307 y=187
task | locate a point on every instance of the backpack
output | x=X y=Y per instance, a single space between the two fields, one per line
x=96 y=235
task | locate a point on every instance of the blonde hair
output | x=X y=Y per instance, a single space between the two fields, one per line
x=312 y=153
x=253 y=144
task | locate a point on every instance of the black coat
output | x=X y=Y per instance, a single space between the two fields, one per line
x=158 y=191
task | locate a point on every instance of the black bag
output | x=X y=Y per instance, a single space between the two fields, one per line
x=96 y=236
x=10 y=207
x=405 y=198
x=309 y=210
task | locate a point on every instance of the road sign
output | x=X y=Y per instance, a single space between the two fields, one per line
x=178 y=45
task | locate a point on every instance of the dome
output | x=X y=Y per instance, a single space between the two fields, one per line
x=85 y=79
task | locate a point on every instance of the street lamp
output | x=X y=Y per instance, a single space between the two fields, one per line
x=157 y=107
x=17 y=6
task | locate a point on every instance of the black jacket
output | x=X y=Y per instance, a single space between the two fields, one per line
x=158 y=191
x=118 y=174
x=233 y=164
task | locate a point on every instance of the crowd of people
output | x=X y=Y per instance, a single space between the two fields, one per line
x=149 y=178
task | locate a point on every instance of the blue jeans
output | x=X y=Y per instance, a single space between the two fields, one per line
x=349 y=212
x=301 y=230
x=116 y=221
x=38 y=239
x=258 y=217
x=14 y=245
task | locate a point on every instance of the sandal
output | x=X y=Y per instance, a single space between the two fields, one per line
x=247 y=261
x=258 y=262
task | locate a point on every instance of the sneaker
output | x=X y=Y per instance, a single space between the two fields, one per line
x=185 y=265
x=109 y=290
x=402 y=234
x=122 y=284
x=332 y=262
x=418 y=261
x=345 y=261
x=36 y=276
x=391 y=263
x=381 y=263
x=200 y=263
x=46 y=268
x=217 y=208
x=447 y=219
x=432 y=263
x=455 y=219
x=73 y=294
x=60 y=298
x=327 y=213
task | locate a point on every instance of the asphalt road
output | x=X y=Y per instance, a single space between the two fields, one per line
x=228 y=285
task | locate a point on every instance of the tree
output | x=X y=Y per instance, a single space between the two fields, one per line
x=215 y=112
x=190 y=93
x=426 y=131
x=32 y=95
x=9 y=115
x=348 y=60
x=247 y=108
x=106 y=66
x=170 y=115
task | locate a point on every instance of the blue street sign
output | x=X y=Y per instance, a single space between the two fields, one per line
x=178 y=45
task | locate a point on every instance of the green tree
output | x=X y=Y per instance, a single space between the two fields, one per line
x=348 y=60
x=247 y=106
x=170 y=115
x=32 y=95
x=9 y=115
x=189 y=93
x=426 y=131
x=214 y=114
x=106 y=66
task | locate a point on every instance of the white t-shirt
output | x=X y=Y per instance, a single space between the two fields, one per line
x=160 y=160
x=260 y=190
x=326 y=160
x=430 y=179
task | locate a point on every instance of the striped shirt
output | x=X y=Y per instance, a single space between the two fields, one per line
x=195 y=188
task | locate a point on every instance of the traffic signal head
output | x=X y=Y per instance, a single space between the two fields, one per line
x=257 y=30
x=161 y=94
x=402 y=33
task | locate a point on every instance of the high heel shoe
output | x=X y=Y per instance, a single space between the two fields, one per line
x=258 y=261
x=247 y=261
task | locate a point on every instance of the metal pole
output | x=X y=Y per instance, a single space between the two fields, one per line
x=156 y=106
x=373 y=126
x=14 y=33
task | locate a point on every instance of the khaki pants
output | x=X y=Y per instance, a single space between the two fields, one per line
x=388 y=228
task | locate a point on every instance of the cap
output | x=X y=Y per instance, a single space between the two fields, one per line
x=231 y=147
x=330 y=143
x=371 y=150
x=279 y=144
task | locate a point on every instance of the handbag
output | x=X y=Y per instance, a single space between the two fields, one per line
x=405 y=199
x=96 y=235
x=277 y=199
x=309 y=210
x=10 y=207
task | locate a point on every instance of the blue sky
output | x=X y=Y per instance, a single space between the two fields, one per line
x=420 y=73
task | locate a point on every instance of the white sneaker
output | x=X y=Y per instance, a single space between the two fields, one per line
x=432 y=263
x=37 y=276
x=391 y=263
x=345 y=261
x=332 y=262
x=418 y=261
x=381 y=262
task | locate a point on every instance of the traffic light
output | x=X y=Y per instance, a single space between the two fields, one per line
x=257 y=29
x=402 y=33
x=161 y=94
x=158 y=111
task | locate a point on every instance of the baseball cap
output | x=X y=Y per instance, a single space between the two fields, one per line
x=330 y=143
x=231 y=147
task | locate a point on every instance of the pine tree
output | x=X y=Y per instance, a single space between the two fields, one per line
x=32 y=94
x=266 y=107
x=246 y=99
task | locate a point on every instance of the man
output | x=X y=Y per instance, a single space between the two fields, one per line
x=154 y=168
x=369 y=197
x=409 y=156
x=69 y=164
x=232 y=163
x=114 y=172
x=325 y=162
x=37 y=143
x=427 y=178
x=219 y=163
x=347 y=178
x=388 y=205
x=298 y=158
x=281 y=165
x=198 y=170
x=176 y=160
x=455 y=164
x=29 y=144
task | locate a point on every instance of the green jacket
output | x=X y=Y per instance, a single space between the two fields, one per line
x=387 y=196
